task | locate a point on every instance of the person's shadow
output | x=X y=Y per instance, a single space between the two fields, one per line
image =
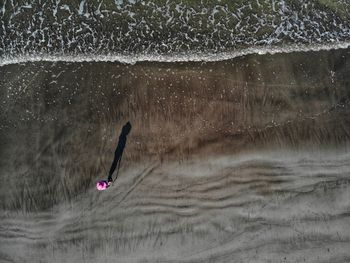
x=119 y=151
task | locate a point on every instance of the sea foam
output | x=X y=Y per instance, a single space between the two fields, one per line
x=179 y=57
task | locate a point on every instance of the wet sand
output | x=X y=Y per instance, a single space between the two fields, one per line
x=245 y=159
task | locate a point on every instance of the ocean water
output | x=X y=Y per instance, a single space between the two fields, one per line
x=153 y=29
x=239 y=148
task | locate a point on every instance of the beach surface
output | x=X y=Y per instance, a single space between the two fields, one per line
x=240 y=160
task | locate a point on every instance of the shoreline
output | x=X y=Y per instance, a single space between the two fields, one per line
x=133 y=59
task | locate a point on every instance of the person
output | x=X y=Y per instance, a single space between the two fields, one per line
x=104 y=184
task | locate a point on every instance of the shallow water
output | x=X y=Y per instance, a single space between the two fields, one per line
x=157 y=28
x=243 y=160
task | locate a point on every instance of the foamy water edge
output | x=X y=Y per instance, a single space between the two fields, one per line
x=198 y=57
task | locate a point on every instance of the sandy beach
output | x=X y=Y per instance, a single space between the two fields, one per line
x=244 y=160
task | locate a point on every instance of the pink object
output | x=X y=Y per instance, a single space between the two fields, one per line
x=102 y=185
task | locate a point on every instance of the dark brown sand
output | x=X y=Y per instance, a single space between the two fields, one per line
x=218 y=135
x=70 y=114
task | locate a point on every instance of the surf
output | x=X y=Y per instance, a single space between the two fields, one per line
x=171 y=58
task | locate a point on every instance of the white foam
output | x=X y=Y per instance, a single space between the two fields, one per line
x=81 y=7
x=175 y=57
